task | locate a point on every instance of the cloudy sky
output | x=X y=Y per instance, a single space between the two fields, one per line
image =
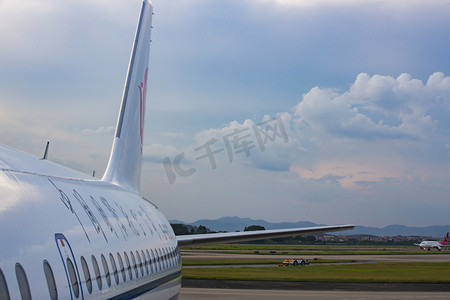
x=284 y=110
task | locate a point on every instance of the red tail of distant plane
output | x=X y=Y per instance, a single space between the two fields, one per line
x=445 y=241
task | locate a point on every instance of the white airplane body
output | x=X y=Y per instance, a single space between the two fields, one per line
x=66 y=235
x=428 y=245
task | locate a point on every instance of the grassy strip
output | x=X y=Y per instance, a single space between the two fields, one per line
x=247 y=261
x=381 y=272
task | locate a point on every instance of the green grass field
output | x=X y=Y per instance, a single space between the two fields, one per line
x=378 y=272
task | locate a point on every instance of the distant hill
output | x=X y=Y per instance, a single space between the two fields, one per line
x=238 y=224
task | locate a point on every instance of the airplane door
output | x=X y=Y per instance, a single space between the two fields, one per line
x=70 y=266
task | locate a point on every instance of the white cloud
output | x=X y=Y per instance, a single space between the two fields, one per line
x=379 y=128
x=272 y=145
x=375 y=107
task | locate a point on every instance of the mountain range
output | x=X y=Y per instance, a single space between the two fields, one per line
x=238 y=224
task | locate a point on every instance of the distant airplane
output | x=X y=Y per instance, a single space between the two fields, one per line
x=428 y=245
x=66 y=235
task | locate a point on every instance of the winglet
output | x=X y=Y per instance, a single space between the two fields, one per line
x=124 y=167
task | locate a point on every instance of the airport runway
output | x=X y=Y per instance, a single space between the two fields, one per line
x=237 y=294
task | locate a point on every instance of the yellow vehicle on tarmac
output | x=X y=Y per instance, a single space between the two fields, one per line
x=294 y=262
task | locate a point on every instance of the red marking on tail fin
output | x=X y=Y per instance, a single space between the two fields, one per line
x=445 y=242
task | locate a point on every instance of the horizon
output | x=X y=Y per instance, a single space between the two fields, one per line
x=299 y=221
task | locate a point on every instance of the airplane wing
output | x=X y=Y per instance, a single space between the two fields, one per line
x=230 y=237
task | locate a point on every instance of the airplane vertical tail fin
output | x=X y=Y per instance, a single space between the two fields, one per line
x=124 y=167
x=445 y=242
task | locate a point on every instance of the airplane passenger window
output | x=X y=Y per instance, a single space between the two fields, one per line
x=154 y=260
x=73 y=278
x=134 y=264
x=113 y=264
x=98 y=276
x=50 y=281
x=171 y=257
x=166 y=251
x=23 y=282
x=149 y=261
x=174 y=256
x=127 y=262
x=166 y=263
x=140 y=262
x=145 y=261
x=172 y=263
x=158 y=253
x=4 y=292
x=166 y=255
x=160 y=260
x=164 y=258
x=87 y=275
x=106 y=269
x=122 y=269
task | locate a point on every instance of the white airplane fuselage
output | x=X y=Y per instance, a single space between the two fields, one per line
x=430 y=245
x=41 y=215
